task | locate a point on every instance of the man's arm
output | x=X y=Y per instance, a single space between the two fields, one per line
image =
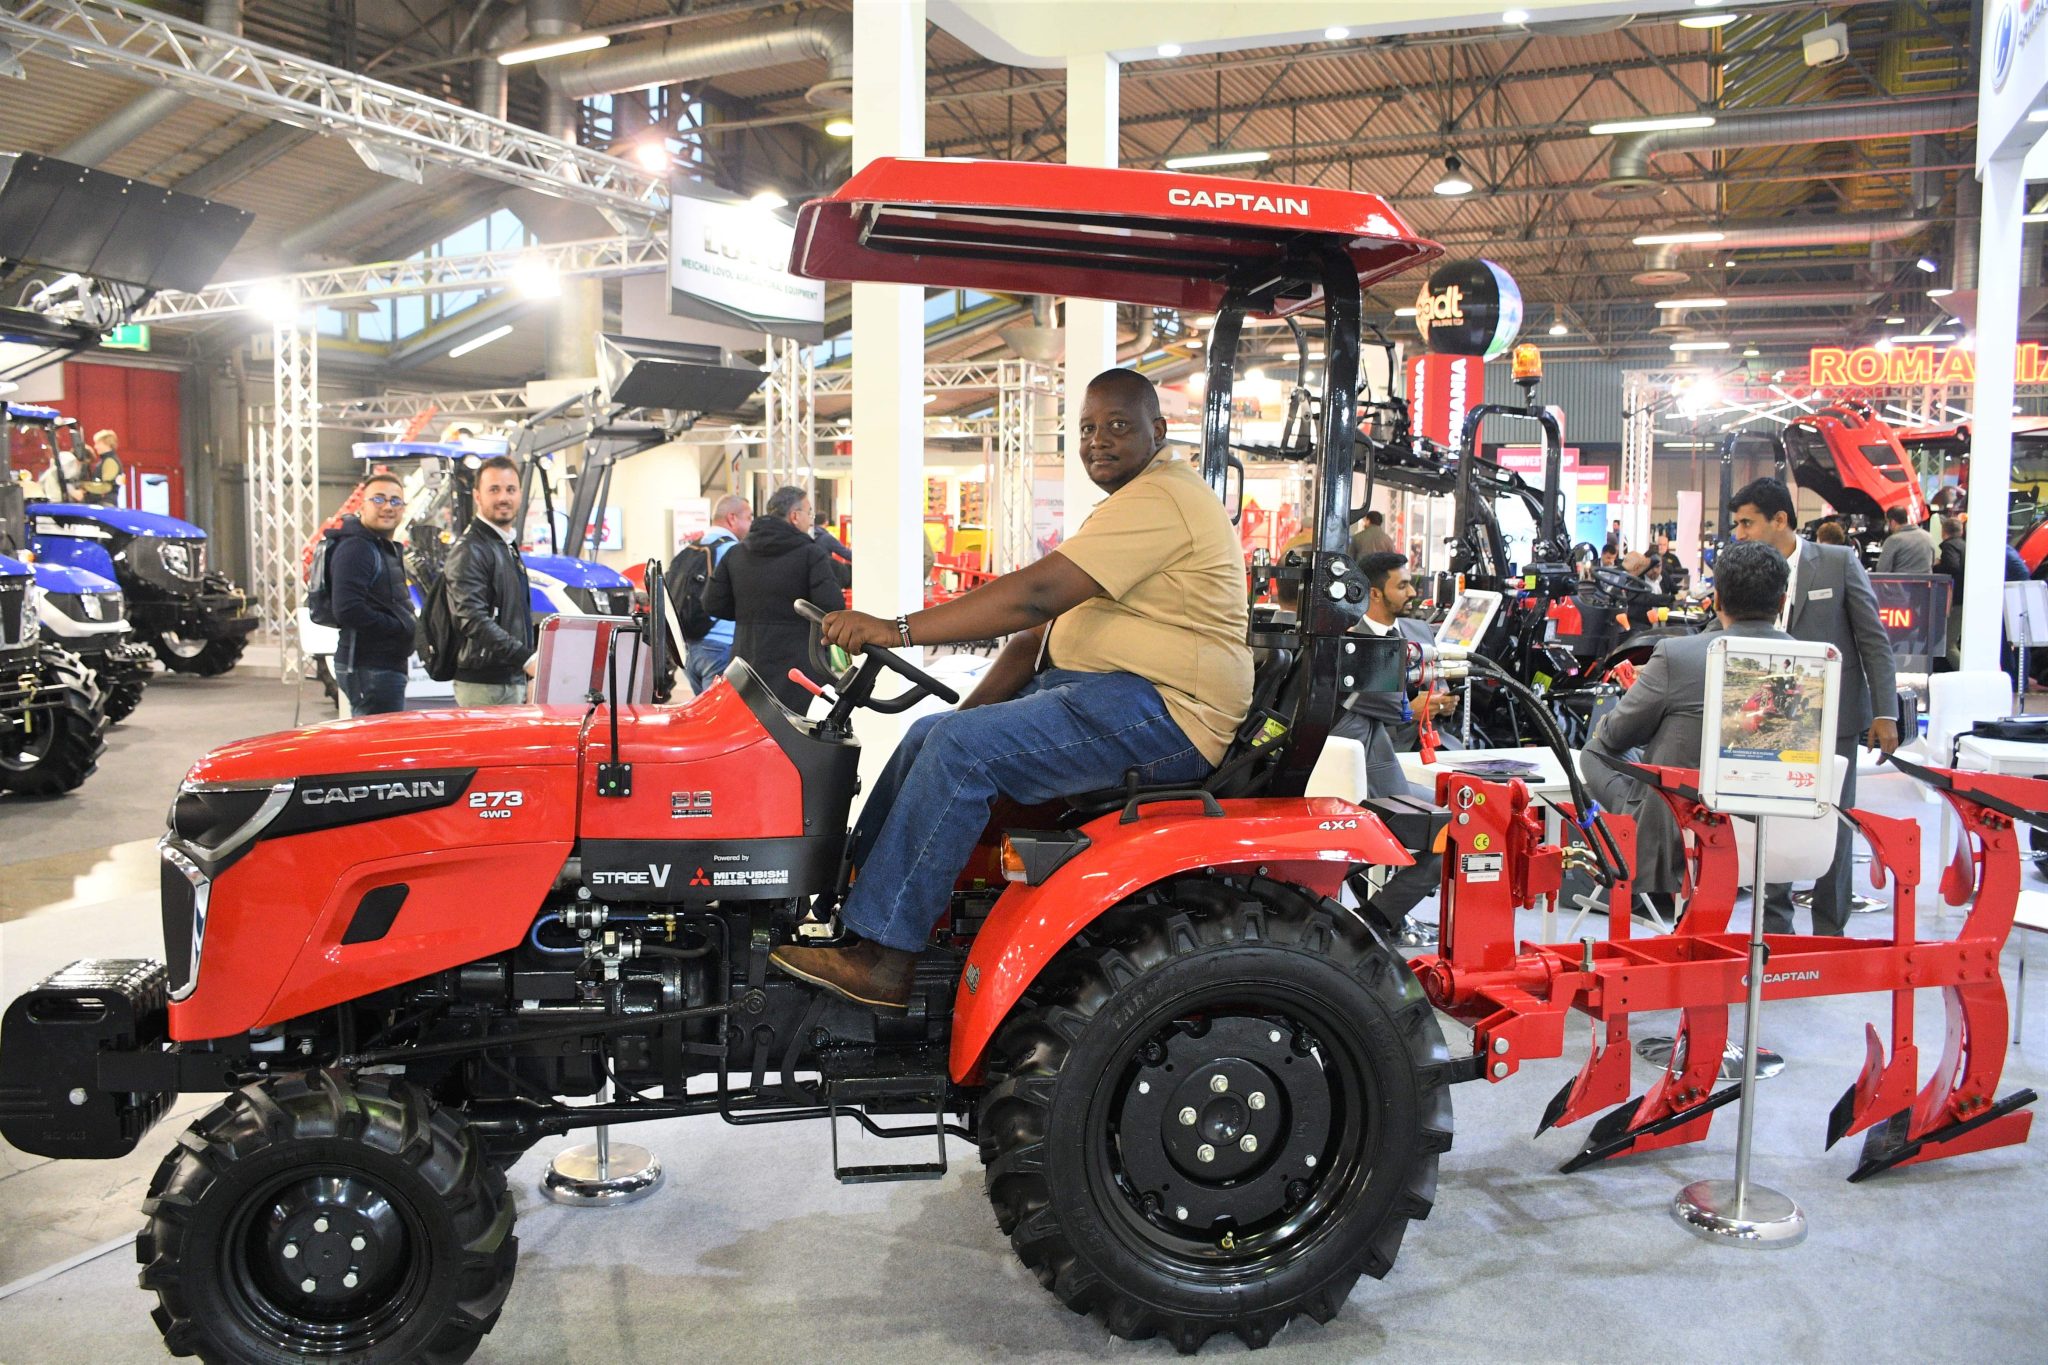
x=718 y=589
x=1874 y=648
x=1027 y=598
x=824 y=590
x=1634 y=720
x=1012 y=667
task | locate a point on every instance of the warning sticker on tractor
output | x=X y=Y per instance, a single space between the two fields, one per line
x=1480 y=867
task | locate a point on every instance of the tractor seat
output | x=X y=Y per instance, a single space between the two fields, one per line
x=1277 y=684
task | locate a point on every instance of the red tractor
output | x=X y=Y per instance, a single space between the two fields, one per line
x=1851 y=458
x=1779 y=697
x=1207 y=1096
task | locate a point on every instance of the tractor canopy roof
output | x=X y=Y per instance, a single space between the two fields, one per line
x=1148 y=237
x=131 y=521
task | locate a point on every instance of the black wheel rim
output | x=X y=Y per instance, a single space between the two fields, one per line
x=325 y=1261
x=1236 y=1209
x=21 y=752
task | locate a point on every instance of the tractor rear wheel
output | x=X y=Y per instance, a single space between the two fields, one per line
x=62 y=744
x=206 y=658
x=1216 y=1112
x=330 y=1215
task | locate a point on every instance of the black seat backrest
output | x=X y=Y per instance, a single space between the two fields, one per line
x=1277 y=685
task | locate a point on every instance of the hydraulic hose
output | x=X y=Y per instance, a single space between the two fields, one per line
x=1612 y=863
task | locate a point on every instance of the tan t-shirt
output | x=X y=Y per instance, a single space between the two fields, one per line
x=1174 y=608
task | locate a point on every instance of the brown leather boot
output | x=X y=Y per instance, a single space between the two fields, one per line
x=865 y=973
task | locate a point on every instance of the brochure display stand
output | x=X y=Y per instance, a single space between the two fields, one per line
x=1767 y=751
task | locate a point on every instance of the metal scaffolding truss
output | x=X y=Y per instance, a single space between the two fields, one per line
x=1027 y=404
x=389 y=410
x=284 y=482
x=597 y=256
x=954 y=376
x=394 y=130
x=1639 y=397
x=790 y=418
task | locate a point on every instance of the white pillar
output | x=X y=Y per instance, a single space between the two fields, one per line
x=888 y=377
x=1997 y=340
x=1092 y=119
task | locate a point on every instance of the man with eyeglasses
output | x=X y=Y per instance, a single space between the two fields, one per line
x=366 y=575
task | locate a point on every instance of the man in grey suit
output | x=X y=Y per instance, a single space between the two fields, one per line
x=1907 y=548
x=1830 y=602
x=1386 y=725
x=1658 y=719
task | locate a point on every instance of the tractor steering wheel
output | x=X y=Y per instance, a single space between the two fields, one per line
x=1620 y=582
x=921 y=682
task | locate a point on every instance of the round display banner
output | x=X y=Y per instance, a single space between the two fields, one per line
x=1469 y=307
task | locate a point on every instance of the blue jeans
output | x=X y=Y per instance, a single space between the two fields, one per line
x=1065 y=733
x=373 y=691
x=704 y=663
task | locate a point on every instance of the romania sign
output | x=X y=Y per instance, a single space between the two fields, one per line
x=1868 y=367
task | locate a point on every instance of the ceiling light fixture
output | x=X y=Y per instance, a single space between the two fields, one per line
x=1928 y=264
x=2038 y=115
x=930 y=399
x=1923 y=339
x=1515 y=16
x=478 y=343
x=1699 y=345
x=1677 y=238
x=1193 y=343
x=768 y=199
x=1750 y=353
x=1653 y=125
x=1939 y=293
x=1895 y=322
x=1692 y=303
x=1255 y=375
x=651 y=156
x=1404 y=312
x=559 y=47
x=1454 y=181
x=1558 y=329
x=839 y=127
x=1336 y=33
x=1707 y=20
x=535 y=279
x=1169 y=49
x=1222 y=156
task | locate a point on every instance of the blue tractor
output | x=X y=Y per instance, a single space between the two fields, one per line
x=195 y=620
x=80 y=610
x=52 y=722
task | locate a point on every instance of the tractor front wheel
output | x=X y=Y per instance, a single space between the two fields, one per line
x=57 y=745
x=206 y=658
x=1215 y=1113
x=329 y=1215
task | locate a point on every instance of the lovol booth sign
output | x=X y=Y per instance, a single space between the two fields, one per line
x=1469 y=307
x=1903 y=366
x=729 y=262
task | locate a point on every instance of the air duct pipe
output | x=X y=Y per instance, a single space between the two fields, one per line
x=1628 y=169
x=822 y=37
x=1663 y=268
x=124 y=125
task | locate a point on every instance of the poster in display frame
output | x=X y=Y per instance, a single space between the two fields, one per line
x=1767 y=732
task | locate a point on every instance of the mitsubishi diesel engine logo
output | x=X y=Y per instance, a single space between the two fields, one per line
x=700 y=879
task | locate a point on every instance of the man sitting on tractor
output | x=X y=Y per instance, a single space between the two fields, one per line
x=1127 y=651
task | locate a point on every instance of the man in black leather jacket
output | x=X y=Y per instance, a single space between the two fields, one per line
x=487 y=595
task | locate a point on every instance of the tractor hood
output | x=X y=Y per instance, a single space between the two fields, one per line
x=574 y=573
x=63 y=578
x=11 y=567
x=126 y=520
x=503 y=736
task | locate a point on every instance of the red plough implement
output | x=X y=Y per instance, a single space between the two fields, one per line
x=1516 y=1001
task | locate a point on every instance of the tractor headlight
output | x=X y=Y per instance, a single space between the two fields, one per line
x=217 y=818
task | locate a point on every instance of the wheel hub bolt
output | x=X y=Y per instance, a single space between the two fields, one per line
x=319 y=1225
x=1311 y=1160
x=1205 y=1153
x=1248 y=1143
x=1144 y=1087
x=308 y=1286
x=1188 y=1117
x=1180 y=1211
x=1273 y=1035
x=348 y=1281
x=358 y=1242
x=1219 y=1083
x=1257 y=1099
x=291 y=1251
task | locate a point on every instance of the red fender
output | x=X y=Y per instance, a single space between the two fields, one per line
x=1310 y=842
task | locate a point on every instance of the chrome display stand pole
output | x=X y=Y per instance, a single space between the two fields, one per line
x=1734 y=1212
x=601 y=1173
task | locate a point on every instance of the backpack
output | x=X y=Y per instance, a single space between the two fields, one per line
x=320 y=585
x=689 y=574
x=434 y=637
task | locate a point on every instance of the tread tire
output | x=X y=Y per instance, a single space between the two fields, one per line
x=385 y=1127
x=1046 y=1063
x=79 y=733
x=215 y=659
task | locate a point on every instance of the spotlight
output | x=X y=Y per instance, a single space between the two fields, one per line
x=839 y=127
x=1454 y=181
x=1336 y=33
x=1169 y=49
x=1927 y=263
